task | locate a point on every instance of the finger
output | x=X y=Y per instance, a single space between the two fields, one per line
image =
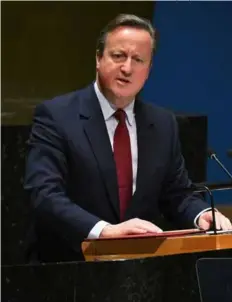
x=204 y=224
x=148 y=226
x=225 y=224
x=229 y=225
x=218 y=223
x=158 y=230
x=134 y=231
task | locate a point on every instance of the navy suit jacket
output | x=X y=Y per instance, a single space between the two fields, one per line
x=71 y=174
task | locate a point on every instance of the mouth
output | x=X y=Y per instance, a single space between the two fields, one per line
x=123 y=81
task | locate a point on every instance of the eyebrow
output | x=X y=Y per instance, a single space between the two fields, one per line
x=124 y=52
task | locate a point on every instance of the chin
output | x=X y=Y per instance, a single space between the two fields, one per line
x=121 y=93
x=125 y=98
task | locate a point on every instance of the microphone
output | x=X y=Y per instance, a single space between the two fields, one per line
x=212 y=155
x=229 y=153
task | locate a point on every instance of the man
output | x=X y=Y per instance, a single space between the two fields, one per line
x=102 y=163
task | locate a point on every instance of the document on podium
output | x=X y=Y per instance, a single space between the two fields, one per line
x=164 y=234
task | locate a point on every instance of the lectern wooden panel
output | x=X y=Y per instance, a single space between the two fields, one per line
x=133 y=247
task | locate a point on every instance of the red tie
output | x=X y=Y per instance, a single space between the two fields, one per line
x=122 y=157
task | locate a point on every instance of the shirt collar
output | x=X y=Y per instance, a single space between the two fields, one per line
x=108 y=109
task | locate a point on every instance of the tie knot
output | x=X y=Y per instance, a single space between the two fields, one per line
x=120 y=115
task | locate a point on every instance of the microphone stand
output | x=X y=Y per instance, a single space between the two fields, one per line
x=200 y=188
x=204 y=188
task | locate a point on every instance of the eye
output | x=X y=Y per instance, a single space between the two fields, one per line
x=138 y=60
x=117 y=55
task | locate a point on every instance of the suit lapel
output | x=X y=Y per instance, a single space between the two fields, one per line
x=146 y=136
x=97 y=135
x=147 y=151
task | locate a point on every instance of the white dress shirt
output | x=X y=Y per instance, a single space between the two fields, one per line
x=108 y=111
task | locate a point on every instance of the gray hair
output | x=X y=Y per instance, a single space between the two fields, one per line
x=126 y=20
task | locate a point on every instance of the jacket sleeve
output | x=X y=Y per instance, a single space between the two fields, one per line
x=178 y=206
x=46 y=181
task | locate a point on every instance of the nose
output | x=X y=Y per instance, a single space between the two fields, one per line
x=126 y=67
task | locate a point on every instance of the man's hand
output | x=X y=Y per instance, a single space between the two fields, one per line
x=222 y=222
x=129 y=227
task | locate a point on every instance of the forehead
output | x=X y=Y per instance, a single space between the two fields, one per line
x=129 y=36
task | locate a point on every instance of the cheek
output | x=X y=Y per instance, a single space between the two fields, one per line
x=107 y=77
x=141 y=77
x=107 y=72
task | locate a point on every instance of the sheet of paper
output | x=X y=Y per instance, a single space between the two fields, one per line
x=173 y=233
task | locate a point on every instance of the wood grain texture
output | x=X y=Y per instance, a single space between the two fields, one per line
x=132 y=248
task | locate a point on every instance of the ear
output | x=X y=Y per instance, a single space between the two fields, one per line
x=97 y=60
x=149 y=69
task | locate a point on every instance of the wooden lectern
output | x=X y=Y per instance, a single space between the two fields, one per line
x=152 y=245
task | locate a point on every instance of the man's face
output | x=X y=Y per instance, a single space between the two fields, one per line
x=125 y=64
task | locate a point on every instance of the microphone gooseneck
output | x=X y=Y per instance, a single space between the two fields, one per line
x=212 y=155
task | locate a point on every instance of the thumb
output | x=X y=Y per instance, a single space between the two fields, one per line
x=204 y=224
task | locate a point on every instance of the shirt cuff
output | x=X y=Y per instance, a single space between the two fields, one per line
x=199 y=214
x=97 y=229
